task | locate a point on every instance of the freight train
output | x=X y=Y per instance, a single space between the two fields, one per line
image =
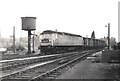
x=60 y=42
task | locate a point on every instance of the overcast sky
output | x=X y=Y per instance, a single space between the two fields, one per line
x=72 y=16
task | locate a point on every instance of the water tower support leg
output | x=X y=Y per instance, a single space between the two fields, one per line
x=29 y=41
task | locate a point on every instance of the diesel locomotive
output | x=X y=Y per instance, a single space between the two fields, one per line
x=60 y=42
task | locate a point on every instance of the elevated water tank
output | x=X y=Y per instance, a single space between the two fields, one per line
x=28 y=23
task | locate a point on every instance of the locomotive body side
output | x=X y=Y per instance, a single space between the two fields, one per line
x=69 y=43
x=68 y=40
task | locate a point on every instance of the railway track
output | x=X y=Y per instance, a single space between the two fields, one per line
x=12 y=69
x=7 y=64
x=10 y=64
x=48 y=70
x=10 y=56
x=52 y=74
x=31 y=69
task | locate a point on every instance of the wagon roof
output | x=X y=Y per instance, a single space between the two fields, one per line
x=62 y=33
x=93 y=39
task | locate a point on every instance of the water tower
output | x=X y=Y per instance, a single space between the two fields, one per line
x=29 y=24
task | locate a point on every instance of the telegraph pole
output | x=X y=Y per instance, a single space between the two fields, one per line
x=14 y=39
x=108 y=36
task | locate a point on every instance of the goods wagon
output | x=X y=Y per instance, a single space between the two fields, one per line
x=90 y=43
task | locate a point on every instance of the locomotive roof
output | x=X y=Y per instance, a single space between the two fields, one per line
x=62 y=33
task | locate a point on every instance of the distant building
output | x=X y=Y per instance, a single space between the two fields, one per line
x=106 y=40
x=23 y=41
x=3 y=50
x=5 y=42
x=112 y=41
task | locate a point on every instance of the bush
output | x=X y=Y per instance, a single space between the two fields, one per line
x=17 y=48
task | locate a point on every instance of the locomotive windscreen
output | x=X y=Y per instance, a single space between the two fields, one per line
x=45 y=41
